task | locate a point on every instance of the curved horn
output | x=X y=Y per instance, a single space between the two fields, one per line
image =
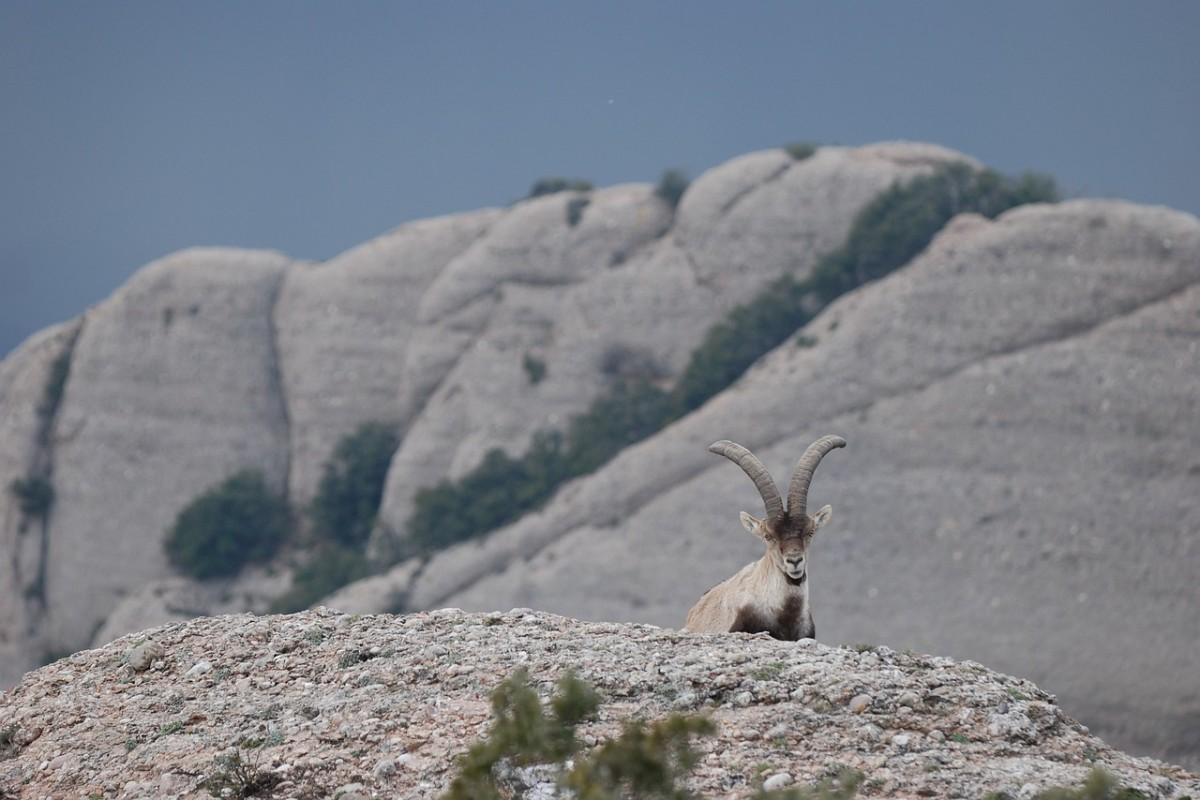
x=757 y=472
x=803 y=474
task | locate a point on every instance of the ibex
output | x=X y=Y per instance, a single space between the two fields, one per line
x=770 y=595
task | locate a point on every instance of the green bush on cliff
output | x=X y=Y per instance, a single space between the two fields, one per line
x=238 y=522
x=347 y=500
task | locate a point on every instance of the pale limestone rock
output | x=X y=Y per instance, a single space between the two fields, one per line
x=1018 y=403
x=174 y=386
x=23 y=378
x=344 y=326
x=394 y=723
x=567 y=296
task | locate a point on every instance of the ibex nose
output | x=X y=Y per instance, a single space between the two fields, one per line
x=795 y=561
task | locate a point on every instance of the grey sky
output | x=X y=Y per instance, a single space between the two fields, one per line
x=128 y=130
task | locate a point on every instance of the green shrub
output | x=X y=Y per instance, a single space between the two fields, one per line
x=544 y=186
x=575 y=209
x=352 y=483
x=35 y=496
x=535 y=368
x=648 y=760
x=885 y=235
x=235 y=523
x=328 y=568
x=1099 y=785
x=671 y=186
x=800 y=150
x=499 y=490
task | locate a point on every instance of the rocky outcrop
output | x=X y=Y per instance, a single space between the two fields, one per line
x=1020 y=405
x=626 y=284
x=174 y=386
x=1020 y=412
x=27 y=417
x=327 y=705
x=344 y=326
x=211 y=361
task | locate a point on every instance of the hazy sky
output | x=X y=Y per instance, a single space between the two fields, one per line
x=129 y=129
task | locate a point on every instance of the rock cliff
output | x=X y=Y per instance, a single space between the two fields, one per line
x=214 y=360
x=319 y=704
x=1020 y=401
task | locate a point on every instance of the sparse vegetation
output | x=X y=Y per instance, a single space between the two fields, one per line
x=800 y=150
x=553 y=185
x=238 y=522
x=671 y=186
x=1099 y=785
x=35 y=496
x=575 y=208
x=343 y=511
x=887 y=234
x=234 y=777
x=646 y=761
x=56 y=384
x=535 y=368
x=328 y=568
x=8 y=742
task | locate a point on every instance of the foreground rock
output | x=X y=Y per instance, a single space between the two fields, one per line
x=379 y=706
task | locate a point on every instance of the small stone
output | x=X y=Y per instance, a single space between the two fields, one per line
x=351 y=791
x=384 y=769
x=777 y=781
x=743 y=699
x=860 y=703
x=199 y=668
x=937 y=736
x=909 y=700
x=901 y=740
x=777 y=732
x=141 y=657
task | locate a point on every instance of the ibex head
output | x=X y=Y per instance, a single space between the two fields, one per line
x=786 y=530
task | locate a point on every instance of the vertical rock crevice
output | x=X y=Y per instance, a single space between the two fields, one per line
x=278 y=385
x=35 y=492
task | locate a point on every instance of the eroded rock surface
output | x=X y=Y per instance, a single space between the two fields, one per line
x=1020 y=484
x=383 y=704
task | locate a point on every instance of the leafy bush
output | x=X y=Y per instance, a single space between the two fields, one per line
x=544 y=186
x=671 y=186
x=575 y=209
x=35 y=496
x=328 y=568
x=800 y=150
x=646 y=761
x=235 y=523
x=351 y=487
x=496 y=492
x=885 y=235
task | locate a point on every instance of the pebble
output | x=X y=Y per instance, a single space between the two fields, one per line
x=909 y=700
x=777 y=781
x=860 y=703
x=199 y=668
x=385 y=768
x=901 y=740
x=142 y=656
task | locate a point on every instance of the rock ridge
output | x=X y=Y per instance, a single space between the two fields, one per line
x=379 y=706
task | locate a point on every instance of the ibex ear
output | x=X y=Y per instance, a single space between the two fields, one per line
x=821 y=517
x=750 y=523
